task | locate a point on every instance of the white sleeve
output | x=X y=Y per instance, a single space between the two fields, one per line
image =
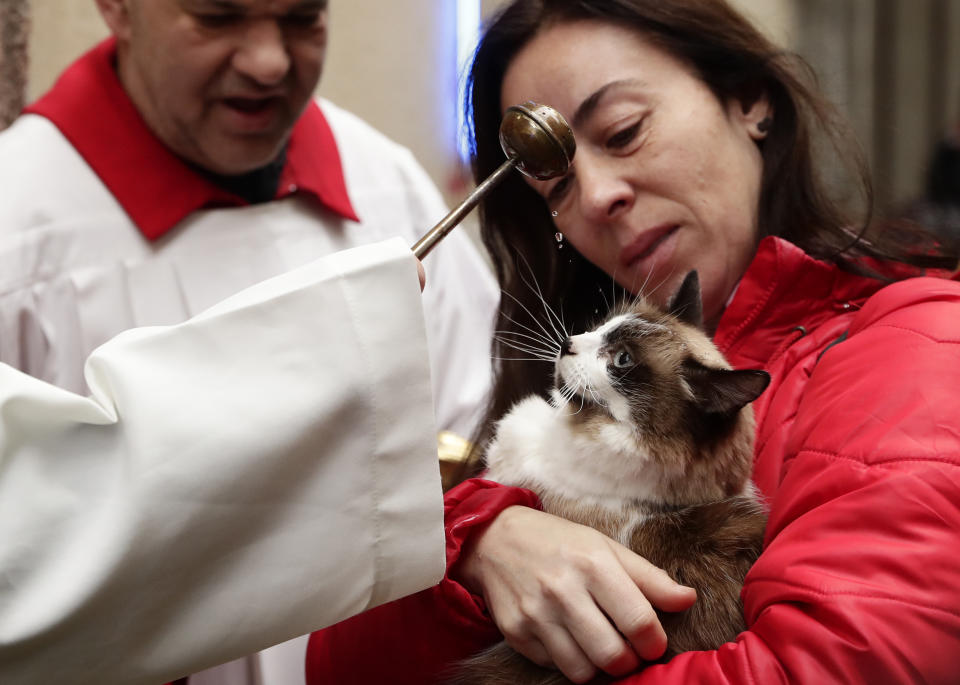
x=257 y=472
x=460 y=302
x=393 y=195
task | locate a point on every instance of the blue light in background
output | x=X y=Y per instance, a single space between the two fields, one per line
x=468 y=34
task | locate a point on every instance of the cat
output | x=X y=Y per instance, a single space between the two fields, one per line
x=647 y=437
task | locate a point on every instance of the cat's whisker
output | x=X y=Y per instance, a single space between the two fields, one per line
x=664 y=280
x=606 y=303
x=552 y=346
x=532 y=352
x=680 y=311
x=596 y=398
x=521 y=359
x=644 y=294
x=532 y=316
x=613 y=284
x=641 y=293
x=535 y=289
x=527 y=347
x=541 y=334
x=539 y=354
x=646 y=280
x=549 y=348
x=532 y=356
x=583 y=401
x=566 y=394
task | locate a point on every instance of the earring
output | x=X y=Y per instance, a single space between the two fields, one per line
x=764 y=125
x=559 y=236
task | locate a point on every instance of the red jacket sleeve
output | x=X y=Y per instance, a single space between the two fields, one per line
x=411 y=641
x=859 y=581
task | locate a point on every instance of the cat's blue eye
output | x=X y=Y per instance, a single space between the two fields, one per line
x=622 y=359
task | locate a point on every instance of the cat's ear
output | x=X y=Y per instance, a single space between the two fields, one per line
x=686 y=304
x=722 y=391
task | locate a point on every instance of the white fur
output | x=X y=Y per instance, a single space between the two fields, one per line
x=538 y=444
x=625 y=533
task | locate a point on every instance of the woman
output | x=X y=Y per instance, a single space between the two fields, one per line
x=695 y=151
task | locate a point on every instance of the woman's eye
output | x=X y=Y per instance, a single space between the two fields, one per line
x=622 y=359
x=624 y=137
x=559 y=189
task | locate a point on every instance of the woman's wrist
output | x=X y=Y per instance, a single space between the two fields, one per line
x=471 y=508
x=469 y=572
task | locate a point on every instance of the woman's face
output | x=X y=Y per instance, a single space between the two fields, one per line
x=666 y=177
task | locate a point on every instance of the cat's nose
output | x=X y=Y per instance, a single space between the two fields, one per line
x=566 y=347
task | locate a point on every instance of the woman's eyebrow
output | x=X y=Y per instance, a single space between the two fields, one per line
x=591 y=103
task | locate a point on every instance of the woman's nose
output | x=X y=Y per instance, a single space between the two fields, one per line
x=262 y=54
x=605 y=193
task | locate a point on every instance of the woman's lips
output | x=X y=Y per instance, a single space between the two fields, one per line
x=646 y=244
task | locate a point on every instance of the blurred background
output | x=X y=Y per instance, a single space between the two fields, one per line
x=892 y=66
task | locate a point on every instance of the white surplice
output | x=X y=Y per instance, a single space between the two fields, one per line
x=233 y=481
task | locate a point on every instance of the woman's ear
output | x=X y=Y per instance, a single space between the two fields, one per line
x=755 y=114
x=116 y=14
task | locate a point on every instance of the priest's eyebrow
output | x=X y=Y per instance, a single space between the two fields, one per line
x=235 y=7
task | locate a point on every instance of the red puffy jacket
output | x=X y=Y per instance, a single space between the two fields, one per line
x=857 y=452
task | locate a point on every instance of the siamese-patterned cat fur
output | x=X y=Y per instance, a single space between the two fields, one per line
x=648 y=438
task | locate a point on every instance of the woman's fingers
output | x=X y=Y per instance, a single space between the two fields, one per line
x=657 y=586
x=576 y=634
x=568 y=655
x=597 y=637
x=566 y=595
x=629 y=600
x=638 y=623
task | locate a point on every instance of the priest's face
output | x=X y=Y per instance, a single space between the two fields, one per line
x=220 y=82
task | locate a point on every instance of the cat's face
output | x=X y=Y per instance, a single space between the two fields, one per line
x=627 y=370
x=655 y=379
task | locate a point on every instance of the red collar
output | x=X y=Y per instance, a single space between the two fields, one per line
x=155 y=187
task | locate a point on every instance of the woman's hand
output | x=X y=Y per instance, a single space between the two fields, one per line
x=566 y=595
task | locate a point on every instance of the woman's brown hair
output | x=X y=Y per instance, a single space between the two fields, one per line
x=736 y=61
